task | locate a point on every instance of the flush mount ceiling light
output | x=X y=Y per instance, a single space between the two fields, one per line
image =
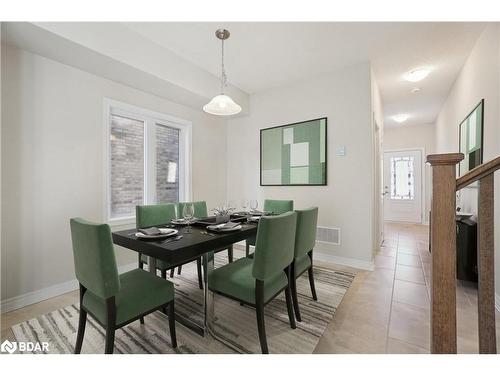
x=222 y=105
x=417 y=75
x=401 y=118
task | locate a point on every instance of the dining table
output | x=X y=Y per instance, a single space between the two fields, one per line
x=196 y=241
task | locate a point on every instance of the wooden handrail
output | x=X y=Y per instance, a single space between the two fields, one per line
x=478 y=173
x=443 y=247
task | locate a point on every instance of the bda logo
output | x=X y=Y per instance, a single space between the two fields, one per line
x=9 y=347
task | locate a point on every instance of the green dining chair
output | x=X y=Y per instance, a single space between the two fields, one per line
x=156 y=215
x=201 y=211
x=277 y=207
x=255 y=282
x=113 y=300
x=305 y=239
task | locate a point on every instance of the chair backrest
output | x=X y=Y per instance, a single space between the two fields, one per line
x=95 y=263
x=200 y=209
x=274 y=245
x=278 y=207
x=154 y=214
x=305 y=235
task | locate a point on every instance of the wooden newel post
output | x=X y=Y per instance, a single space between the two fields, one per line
x=443 y=247
x=485 y=265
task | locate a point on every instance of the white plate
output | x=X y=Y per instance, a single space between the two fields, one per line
x=182 y=221
x=214 y=228
x=165 y=232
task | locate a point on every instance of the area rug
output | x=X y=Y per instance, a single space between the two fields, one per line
x=237 y=324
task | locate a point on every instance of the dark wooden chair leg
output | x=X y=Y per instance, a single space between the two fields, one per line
x=311 y=277
x=172 y=272
x=110 y=325
x=179 y=269
x=200 y=275
x=141 y=320
x=288 y=294
x=230 y=254
x=82 y=320
x=293 y=289
x=247 y=249
x=259 y=308
x=141 y=263
x=164 y=274
x=311 y=283
x=289 y=307
x=171 y=323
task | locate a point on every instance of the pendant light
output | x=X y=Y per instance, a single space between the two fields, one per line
x=222 y=105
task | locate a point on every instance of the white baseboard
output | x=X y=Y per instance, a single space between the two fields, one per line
x=344 y=261
x=497 y=301
x=30 y=298
x=328 y=258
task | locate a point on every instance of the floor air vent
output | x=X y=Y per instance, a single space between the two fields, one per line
x=328 y=235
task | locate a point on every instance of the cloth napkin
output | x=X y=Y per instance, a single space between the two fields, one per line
x=153 y=231
x=228 y=225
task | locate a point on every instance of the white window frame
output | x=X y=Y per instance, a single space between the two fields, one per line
x=150 y=118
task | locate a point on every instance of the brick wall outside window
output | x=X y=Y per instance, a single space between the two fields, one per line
x=127 y=165
x=167 y=164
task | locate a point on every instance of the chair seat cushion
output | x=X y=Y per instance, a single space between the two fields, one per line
x=301 y=264
x=160 y=264
x=236 y=280
x=163 y=265
x=139 y=293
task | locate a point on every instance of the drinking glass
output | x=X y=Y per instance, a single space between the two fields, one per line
x=230 y=205
x=188 y=214
x=254 y=203
x=244 y=205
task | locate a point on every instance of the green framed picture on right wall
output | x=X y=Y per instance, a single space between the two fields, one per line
x=471 y=139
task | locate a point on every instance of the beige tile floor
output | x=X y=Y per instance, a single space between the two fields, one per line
x=387 y=310
x=384 y=311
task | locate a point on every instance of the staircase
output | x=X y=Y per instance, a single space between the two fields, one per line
x=443 y=247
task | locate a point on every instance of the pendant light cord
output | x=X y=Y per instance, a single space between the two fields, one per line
x=223 y=79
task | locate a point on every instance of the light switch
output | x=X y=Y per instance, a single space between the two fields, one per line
x=340 y=151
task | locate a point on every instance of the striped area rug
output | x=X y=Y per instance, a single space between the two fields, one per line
x=235 y=323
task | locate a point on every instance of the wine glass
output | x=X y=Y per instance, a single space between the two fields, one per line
x=188 y=214
x=230 y=205
x=244 y=205
x=254 y=203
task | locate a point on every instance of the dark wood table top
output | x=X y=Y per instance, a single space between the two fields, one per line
x=190 y=246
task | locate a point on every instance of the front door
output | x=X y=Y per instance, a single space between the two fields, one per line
x=403 y=186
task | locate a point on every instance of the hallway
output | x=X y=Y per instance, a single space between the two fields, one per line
x=387 y=310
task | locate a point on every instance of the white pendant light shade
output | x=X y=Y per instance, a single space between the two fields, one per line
x=222 y=105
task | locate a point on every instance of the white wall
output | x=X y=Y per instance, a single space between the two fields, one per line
x=478 y=79
x=415 y=137
x=347 y=203
x=377 y=128
x=52 y=163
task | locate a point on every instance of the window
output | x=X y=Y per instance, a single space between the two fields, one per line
x=402 y=178
x=127 y=165
x=148 y=159
x=167 y=160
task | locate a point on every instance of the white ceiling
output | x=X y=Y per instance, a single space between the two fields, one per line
x=260 y=56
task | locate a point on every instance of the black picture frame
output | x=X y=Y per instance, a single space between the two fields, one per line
x=481 y=159
x=284 y=126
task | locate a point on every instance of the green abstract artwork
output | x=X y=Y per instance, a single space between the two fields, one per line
x=471 y=139
x=294 y=154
